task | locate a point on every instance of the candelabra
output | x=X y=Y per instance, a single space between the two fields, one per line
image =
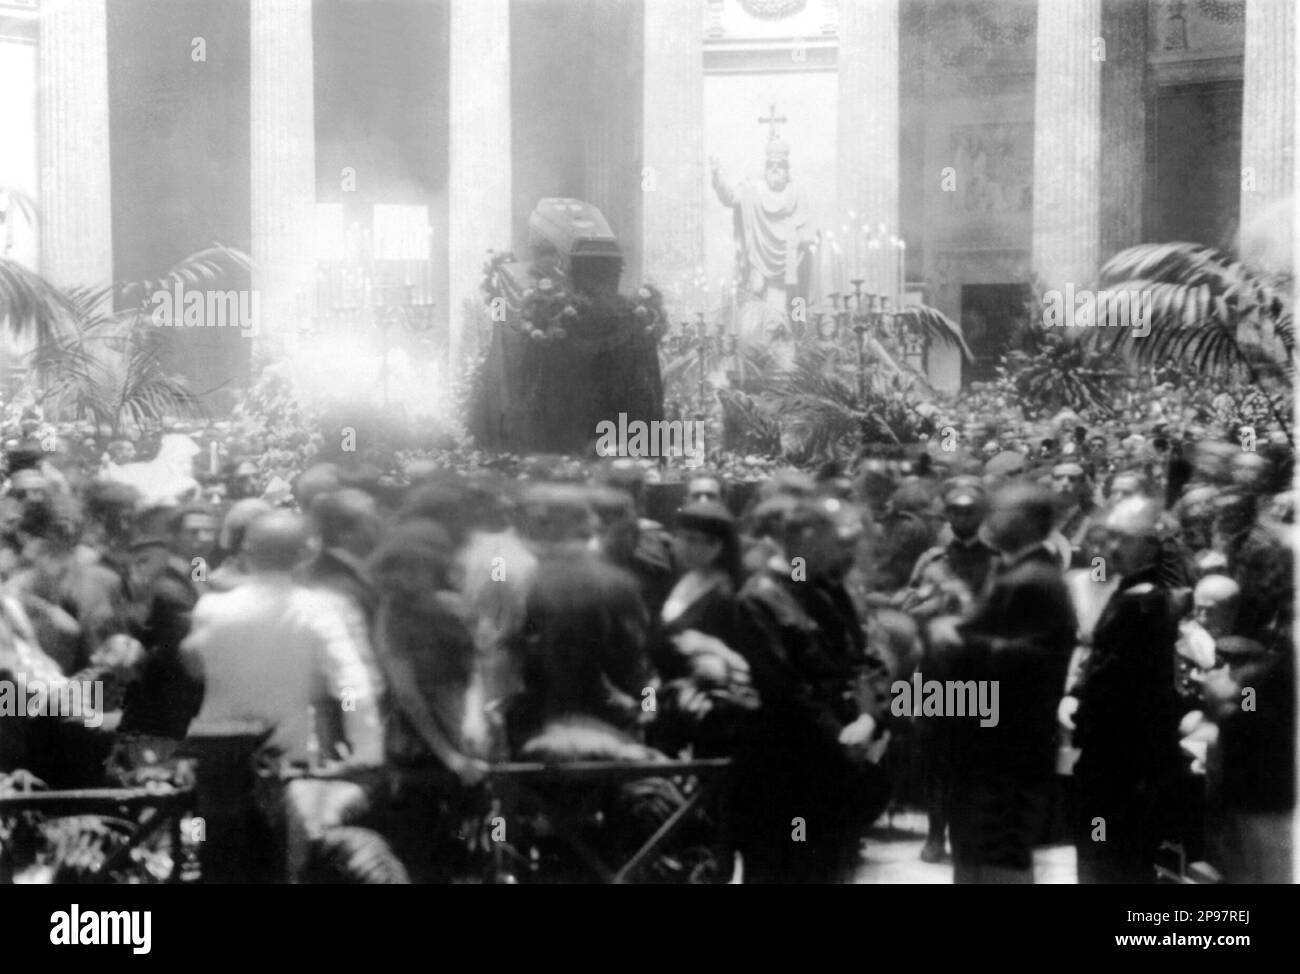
x=377 y=296
x=709 y=346
x=863 y=313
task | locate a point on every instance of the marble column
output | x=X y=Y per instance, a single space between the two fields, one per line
x=479 y=156
x=283 y=152
x=672 y=159
x=1268 y=124
x=1067 y=142
x=612 y=131
x=76 y=212
x=1123 y=125
x=867 y=142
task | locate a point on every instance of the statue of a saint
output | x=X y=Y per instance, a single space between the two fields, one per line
x=772 y=231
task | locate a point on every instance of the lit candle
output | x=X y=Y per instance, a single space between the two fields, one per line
x=902 y=271
x=212 y=457
x=876 y=280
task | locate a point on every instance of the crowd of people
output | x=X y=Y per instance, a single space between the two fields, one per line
x=1128 y=593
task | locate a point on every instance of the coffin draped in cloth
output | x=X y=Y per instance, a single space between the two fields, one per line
x=549 y=395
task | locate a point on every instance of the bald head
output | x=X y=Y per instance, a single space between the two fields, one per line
x=275 y=542
x=1135 y=516
x=1214 y=604
x=1133 y=527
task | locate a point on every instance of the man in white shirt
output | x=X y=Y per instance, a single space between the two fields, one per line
x=273 y=651
x=276 y=654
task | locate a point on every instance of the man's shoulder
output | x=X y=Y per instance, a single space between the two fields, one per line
x=218 y=603
x=1036 y=572
x=1145 y=596
x=305 y=602
x=768 y=589
x=175 y=580
x=934 y=555
x=93 y=576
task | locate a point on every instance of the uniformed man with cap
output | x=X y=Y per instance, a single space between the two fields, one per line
x=1017 y=640
x=948 y=577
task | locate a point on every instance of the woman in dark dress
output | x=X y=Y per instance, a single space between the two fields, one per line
x=703 y=630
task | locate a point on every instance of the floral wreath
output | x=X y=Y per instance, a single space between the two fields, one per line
x=772 y=9
x=551 y=312
x=1223 y=11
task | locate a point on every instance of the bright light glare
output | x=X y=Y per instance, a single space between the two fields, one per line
x=348 y=369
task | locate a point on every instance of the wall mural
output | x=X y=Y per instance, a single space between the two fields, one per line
x=997 y=163
x=1197 y=26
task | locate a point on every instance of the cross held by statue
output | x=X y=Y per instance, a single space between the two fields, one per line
x=772 y=120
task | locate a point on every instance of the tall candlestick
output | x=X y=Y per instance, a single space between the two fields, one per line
x=902 y=271
x=874 y=266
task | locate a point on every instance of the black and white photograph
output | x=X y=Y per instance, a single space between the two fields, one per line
x=582 y=442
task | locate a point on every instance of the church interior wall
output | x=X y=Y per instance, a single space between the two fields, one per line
x=565 y=141
x=18 y=165
x=18 y=149
x=966 y=88
x=1193 y=110
x=1195 y=153
x=1170 y=118
x=1125 y=26
x=382 y=102
x=179 y=144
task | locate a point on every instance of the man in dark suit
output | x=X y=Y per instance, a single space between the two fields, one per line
x=1126 y=724
x=1018 y=642
x=809 y=783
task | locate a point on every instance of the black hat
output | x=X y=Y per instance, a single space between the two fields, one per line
x=707 y=517
x=154 y=526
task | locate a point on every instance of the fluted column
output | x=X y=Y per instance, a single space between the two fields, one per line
x=1067 y=139
x=283 y=151
x=672 y=185
x=76 y=230
x=1123 y=124
x=479 y=158
x=867 y=139
x=1295 y=278
x=1268 y=109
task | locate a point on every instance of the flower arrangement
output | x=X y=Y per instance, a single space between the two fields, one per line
x=552 y=310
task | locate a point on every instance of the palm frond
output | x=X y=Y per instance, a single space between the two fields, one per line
x=747 y=427
x=20 y=203
x=197 y=270
x=877 y=352
x=936 y=326
x=1205 y=307
x=31 y=308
